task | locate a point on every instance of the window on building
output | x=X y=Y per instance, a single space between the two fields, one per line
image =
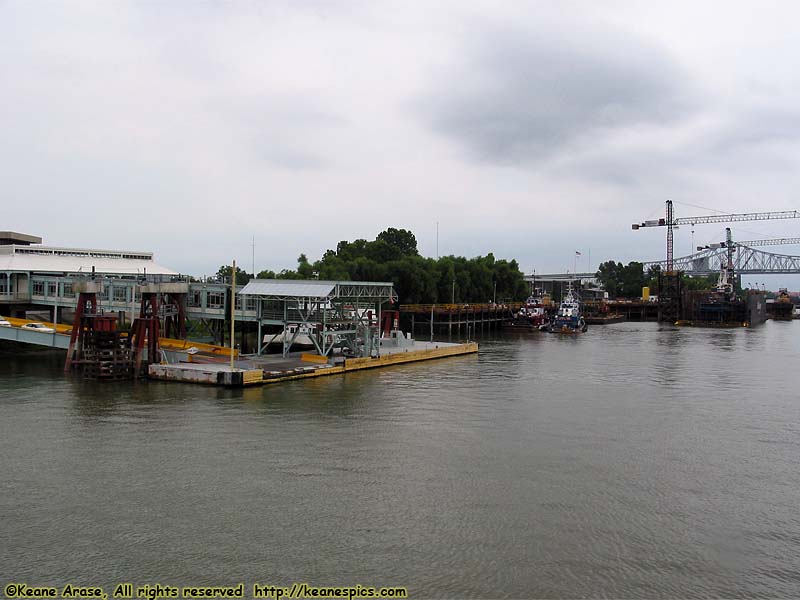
x=52 y=289
x=216 y=299
x=38 y=288
x=120 y=294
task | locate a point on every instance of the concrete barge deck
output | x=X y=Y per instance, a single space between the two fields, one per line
x=266 y=369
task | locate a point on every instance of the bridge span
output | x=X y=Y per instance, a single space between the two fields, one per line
x=747 y=261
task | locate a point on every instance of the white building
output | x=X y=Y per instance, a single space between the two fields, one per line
x=22 y=257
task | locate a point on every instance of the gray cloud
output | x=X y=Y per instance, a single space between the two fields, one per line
x=525 y=94
x=284 y=130
x=759 y=126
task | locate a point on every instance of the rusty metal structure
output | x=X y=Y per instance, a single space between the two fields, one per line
x=145 y=331
x=97 y=348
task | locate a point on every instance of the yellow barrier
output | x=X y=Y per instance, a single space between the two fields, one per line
x=355 y=364
x=173 y=344
x=253 y=376
x=314 y=358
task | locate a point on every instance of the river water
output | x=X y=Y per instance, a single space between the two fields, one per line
x=636 y=460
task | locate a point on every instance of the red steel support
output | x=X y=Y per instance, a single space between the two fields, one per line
x=83 y=321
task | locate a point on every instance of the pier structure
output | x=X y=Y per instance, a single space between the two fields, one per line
x=37 y=278
x=107 y=290
x=430 y=317
x=96 y=347
x=204 y=303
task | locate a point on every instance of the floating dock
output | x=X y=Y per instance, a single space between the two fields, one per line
x=606 y=319
x=266 y=369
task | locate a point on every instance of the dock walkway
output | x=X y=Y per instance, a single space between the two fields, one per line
x=266 y=369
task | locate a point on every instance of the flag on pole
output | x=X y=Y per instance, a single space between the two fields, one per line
x=577 y=253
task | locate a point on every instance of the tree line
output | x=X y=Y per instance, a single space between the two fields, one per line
x=393 y=256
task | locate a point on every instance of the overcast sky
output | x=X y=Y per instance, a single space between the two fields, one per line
x=527 y=129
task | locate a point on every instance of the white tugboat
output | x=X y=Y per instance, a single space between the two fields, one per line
x=568 y=319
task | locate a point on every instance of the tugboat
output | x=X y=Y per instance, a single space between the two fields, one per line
x=782 y=308
x=568 y=319
x=531 y=316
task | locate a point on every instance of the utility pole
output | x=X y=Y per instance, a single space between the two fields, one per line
x=233 y=307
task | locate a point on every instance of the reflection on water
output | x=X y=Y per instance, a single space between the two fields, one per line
x=636 y=460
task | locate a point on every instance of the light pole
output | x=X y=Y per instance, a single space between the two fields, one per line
x=233 y=307
x=494 y=296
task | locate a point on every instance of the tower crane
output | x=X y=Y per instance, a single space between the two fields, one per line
x=670 y=222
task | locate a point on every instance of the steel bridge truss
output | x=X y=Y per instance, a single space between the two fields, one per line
x=747 y=261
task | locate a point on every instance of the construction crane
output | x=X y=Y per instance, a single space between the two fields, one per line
x=727 y=275
x=670 y=222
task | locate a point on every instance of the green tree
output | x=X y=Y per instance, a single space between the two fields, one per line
x=304 y=268
x=402 y=240
x=393 y=256
x=242 y=277
x=622 y=281
x=608 y=274
x=633 y=280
